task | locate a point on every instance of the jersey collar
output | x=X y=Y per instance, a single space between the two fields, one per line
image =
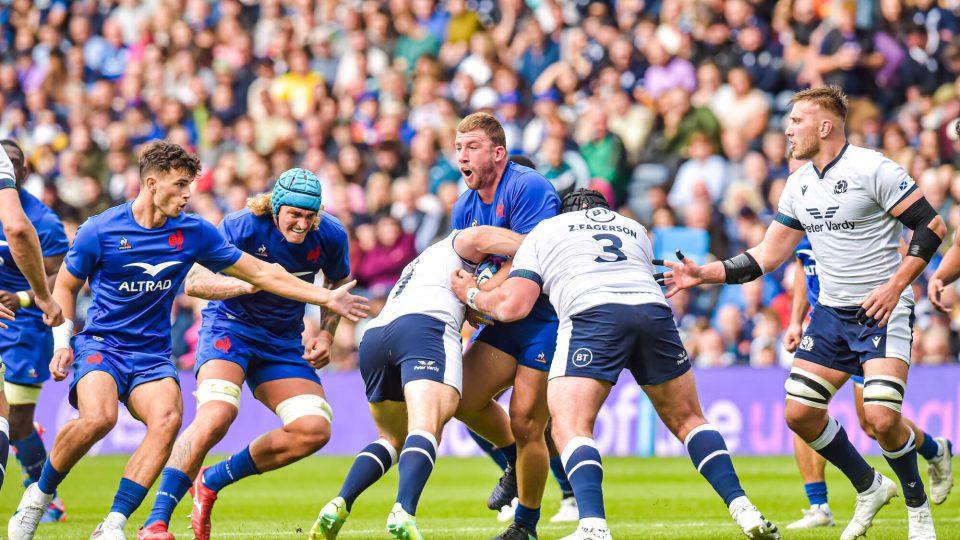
x=831 y=164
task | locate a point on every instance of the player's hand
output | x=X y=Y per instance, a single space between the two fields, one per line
x=791 y=338
x=6 y=314
x=9 y=300
x=934 y=294
x=62 y=358
x=477 y=319
x=682 y=275
x=317 y=350
x=462 y=281
x=347 y=305
x=876 y=308
x=52 y=315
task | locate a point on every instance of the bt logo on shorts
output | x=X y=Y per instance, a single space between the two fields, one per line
x=682 y=357
x=427 y=365
x=582 y=357
x=806 y=343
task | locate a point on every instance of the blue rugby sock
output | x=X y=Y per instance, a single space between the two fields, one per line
x=584 y=467
x=709 y=454
x=835 y=447
x=174 y=484
x=416 y=463
x=930 y=448
x=31 y=455
x=528 y=517
x=510 y=453
x=903 y=461
x=230 y=470
x=816 y=492
x=560 y=475
x=370 y=464
x=50 y=478
x=495 y=454
x=128 y=498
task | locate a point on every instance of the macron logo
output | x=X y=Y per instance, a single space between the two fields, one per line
x=153 y=269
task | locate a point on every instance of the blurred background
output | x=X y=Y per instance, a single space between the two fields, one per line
x=673 y=108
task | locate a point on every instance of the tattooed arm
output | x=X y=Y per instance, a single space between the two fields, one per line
x=317 y=349
x=202 y=283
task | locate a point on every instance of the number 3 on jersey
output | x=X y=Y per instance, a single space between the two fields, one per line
x=613 y=248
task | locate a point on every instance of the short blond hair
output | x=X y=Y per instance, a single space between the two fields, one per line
x=260 y=205
x=487 y=123
x=829 y=98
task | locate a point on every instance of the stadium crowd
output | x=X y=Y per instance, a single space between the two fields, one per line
x=672 y=108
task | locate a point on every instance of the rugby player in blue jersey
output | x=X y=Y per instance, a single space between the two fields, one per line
x=23 y=246
x=135 y=257
x=256 y=336
x=26 y=347
x=518 y=354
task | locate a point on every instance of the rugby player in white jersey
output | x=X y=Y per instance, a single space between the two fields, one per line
x=411 y=361
x=851 y=202
x=596 y=267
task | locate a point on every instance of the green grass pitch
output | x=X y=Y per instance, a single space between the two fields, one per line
x=658 y=498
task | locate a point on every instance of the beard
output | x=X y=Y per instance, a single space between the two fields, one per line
x=799 y=152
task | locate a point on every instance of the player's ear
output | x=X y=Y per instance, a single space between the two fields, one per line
x=500 y=153
x=826 y=126
x=150 y=184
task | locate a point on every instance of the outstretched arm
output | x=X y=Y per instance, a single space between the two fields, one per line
x=776 y=247
x=202 y=283
x=275 y=279
x=947 y=273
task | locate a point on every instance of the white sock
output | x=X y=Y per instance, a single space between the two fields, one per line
x=593 y=523
x=116 y=519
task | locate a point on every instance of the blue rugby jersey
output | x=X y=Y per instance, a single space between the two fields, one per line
x=804 y=252
x=524 y=198
x=324 y=249
x=135 y=274
x=53 y=241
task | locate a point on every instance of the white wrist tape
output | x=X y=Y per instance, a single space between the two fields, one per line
x=471 y=295
x=62 y=335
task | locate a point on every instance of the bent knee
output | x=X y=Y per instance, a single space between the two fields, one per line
x=526 y=428
x=98 y=426
x=880 y=420
x=802 y=419
x=312 y=433
x=167 y=422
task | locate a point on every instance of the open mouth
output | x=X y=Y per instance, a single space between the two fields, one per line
x=298 y=230
x=467 y=173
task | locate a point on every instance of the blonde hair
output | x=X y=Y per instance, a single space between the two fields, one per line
x=487 y=123
x=260 y=205
x=828 y=98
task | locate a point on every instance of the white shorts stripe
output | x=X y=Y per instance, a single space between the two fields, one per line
x=564 y=332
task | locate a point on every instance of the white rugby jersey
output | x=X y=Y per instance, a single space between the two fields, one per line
x=424 y=287
x=844 y=210
x=589 y=258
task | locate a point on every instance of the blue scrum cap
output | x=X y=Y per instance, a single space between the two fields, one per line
x=296 y=187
